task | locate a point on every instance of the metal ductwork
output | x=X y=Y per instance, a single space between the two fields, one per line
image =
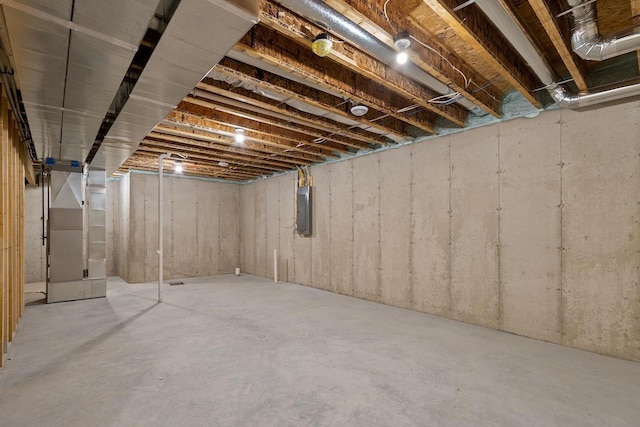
x=70 y=59
x=512 y=32
x=586 y=40
x=337 y=23
x=197 y=37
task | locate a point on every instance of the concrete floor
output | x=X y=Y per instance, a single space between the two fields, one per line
x=242 y=351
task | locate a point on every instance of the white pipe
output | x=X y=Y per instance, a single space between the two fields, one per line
x=161 y=158
x=275 y=266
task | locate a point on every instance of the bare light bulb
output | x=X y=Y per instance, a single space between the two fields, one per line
x=239 y=136
x=402 y=57
x=178 y=167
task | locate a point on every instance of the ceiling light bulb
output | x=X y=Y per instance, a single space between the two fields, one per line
x=239 y=136
x=402 y=57
x=178 y=167
x=223 y=164
x=322 y=44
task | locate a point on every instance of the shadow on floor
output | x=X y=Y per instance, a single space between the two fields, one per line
x=34 y=298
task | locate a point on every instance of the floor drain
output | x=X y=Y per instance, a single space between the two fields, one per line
x=176 y=283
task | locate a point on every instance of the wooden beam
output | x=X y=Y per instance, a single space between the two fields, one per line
x=150 y=160
x=243 y=118
x=291 y=25
x=287 y=156
x=4 y=227
x=238 y=94
x=222 y=122
x=230 y=152
x=475 y=29
x=308 y=95
x=270 y=145
x=275 y=49
x=194 y=163
x=370 y=15
x=199 y=155
x=548 y=21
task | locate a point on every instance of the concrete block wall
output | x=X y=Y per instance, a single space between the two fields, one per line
x=528 y=226
x=201 y=228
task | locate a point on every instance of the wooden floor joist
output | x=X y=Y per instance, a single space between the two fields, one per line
x=476 y=30
x=219 y=121
x=212 y=154
x=262 y=111
x=246 y=119
x=289 y=157
x=571 y=61
x=290 y=24
x=229 y=151
x=278 y=51
x=370 y=15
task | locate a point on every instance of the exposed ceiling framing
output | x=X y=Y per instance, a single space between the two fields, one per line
x=293 y=108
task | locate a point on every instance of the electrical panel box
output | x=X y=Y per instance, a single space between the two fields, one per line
x=303 y=210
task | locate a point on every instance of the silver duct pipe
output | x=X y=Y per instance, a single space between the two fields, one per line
x=503 y=21
x=318 y=11
x=568 y=100
x=586 y=41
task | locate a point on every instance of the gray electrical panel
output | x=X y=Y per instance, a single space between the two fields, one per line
x=303 y=210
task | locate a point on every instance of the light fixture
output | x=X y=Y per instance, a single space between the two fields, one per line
x=402 y=57
x=223 y=164
x=321 y=45
x=177 y=167
x=402 y=41
x=359 y=110
x=239 y=136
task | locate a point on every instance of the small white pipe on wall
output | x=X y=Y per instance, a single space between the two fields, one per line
x=275 y=266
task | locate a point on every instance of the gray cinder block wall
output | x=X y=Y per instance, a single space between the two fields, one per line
x=529 y=226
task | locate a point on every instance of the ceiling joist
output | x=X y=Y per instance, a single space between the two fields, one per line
x=472 y=26
x=277 y=50
x=548 y=21
x=291 y=25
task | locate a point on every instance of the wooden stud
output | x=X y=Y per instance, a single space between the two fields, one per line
x=3 y=226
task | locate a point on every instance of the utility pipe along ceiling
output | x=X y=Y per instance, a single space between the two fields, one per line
x=249 y=88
